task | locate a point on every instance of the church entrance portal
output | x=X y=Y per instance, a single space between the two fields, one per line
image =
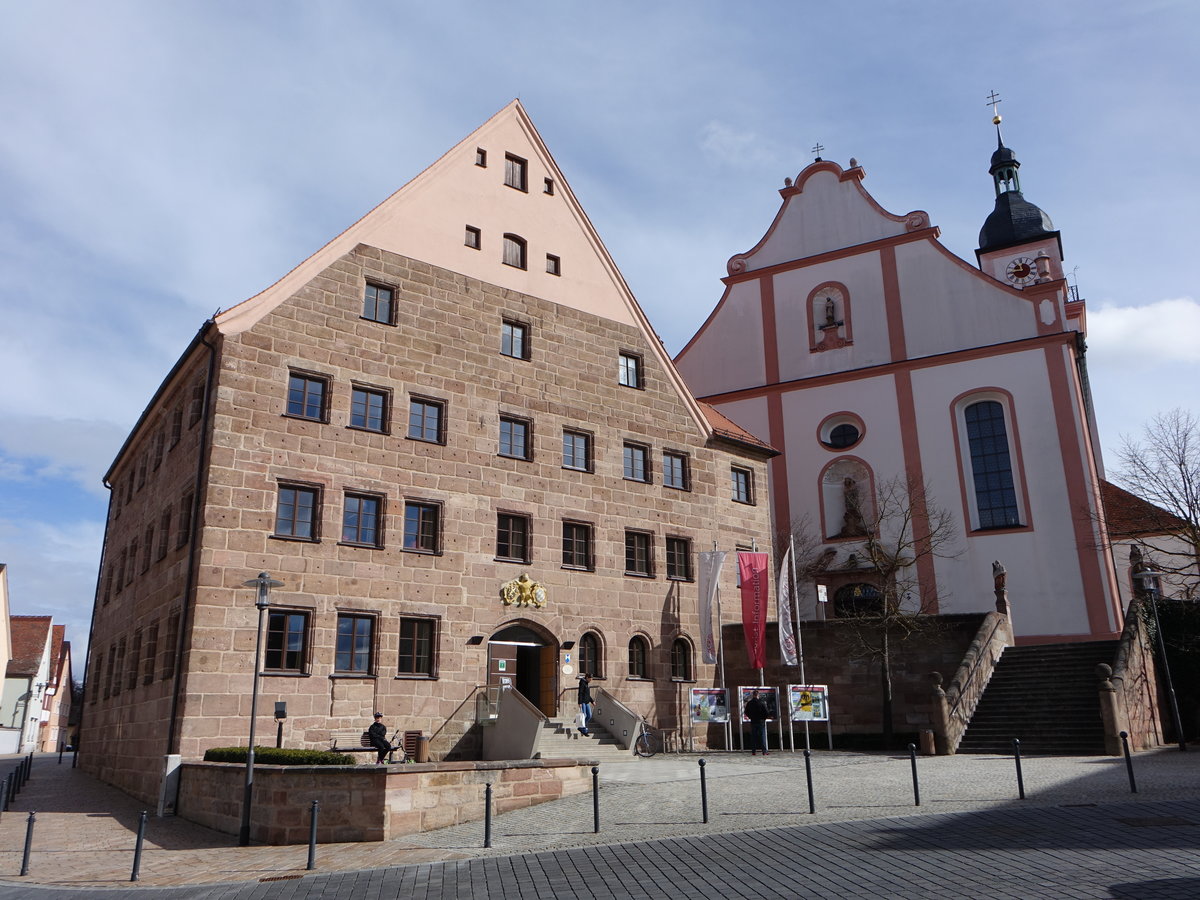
x=527 y=662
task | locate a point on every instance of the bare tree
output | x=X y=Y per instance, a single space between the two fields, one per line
x=1163 y=467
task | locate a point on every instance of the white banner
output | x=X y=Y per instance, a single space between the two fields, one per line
x=710 y=574
x=783 y=600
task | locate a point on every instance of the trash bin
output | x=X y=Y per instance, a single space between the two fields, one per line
x=423 y=749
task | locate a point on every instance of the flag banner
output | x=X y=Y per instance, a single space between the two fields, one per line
x=783 y=599
x=710 y=574
x=752 y=569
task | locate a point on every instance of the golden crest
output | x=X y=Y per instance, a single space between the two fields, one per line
x=523 y=591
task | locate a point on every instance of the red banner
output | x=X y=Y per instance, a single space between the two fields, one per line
x=752 y=570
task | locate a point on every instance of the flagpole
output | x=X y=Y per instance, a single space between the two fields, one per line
x=796 y=617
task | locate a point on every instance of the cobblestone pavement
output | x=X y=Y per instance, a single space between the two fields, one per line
x=1080 y=833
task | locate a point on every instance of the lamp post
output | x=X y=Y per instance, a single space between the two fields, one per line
x=1148 y=580
x=263 y=583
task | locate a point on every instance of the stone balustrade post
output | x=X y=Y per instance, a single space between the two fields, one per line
x=1110 y=711
x=940 y=717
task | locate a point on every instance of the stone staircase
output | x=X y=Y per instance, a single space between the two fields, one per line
x=1045 y=695
x=560 y=740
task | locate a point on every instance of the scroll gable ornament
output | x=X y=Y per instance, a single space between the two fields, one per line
x=523 y=591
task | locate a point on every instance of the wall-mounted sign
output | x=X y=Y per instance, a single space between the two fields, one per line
x=523 y=591
x=502 y=665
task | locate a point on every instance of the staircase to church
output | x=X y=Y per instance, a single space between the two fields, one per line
x=1045 y=695
x=560 y=740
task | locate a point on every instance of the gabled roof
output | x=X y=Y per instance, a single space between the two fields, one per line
x=1128 y=515
x=29 y=637
x=725 y=428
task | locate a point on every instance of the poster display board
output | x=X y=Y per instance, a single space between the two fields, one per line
x=769 y=695
x=808 y=702
x=709 y=705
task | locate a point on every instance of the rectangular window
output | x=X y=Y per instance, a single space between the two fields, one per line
x=548 y=186
x=473 y=238
x=196 y=406
x=481 y=157
x=151 y=655
x=636 y=463
x=361 y=520
x=132 y=566
x=354 y=653
x=176 y=425
x=160 y=439
x=141 y=472
x=164 y=533
x=639 y=553
x=422 y=527
x=512 y=537
x=108 y=584
x=135 y=661
x=168 y=667
x=577 y=450
x=185 y=519
x=121 y=570
x=675 y=470
x=553 y=264
x=417 y=642
x=742 y=484
x=108 y=673
x=991 y=466
x=147 y=547
x=425 y=418
x=679 y=559
x=119 y=667
x=515 y=172
x=514 y=339
x=629 y=372
x=306 y=396
x=514 y=251
x=378 y=305
x=296 y=515
x=369 y=409
x=287 y=641
x=514 y=438
x=577 y=545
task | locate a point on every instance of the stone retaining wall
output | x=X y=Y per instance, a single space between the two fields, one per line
x=369 y=803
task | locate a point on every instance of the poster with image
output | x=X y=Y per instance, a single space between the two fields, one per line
x=768 y=695
x=808 y=702
x=709 y=705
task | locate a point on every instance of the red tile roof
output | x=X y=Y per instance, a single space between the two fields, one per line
x=731 y=431
x=29 y=635
x=1128 y=515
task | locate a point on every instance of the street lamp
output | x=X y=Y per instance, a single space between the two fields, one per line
x=1147 y=579
x=263 y=583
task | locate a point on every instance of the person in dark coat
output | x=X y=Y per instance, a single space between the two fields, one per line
x=377 y=735
x=758 y=712
x=585 y=703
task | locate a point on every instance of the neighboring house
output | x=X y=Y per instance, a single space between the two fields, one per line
x=27 y=677
x=454 y=437
x=1134 y=522
x=863 y=350
x=56 y=699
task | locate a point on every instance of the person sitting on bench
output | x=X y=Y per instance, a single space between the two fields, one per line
x=377 y=734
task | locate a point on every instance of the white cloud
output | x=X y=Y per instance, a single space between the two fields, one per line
x=74 y=450
x=1166 y=331
x=730 y=146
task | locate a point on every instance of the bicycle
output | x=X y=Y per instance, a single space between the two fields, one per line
x=648 y=742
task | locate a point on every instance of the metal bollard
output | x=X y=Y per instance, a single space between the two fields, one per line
x=12 y=788
x=487 y=815
x=1017 y=757
x=812 y=806
x=137 y=848
x=312 y=835
x=912 y=755
x=28 y=842
x=60 y=753
x=1128 y=762
x=703 y=793
x=74 y=757
x=596 y=799
x=4 y=794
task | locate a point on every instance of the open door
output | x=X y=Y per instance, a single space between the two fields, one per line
x=523 y=660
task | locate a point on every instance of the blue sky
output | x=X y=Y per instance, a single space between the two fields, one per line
x=159 y=161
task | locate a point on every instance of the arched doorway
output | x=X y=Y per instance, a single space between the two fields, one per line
x=526 y=660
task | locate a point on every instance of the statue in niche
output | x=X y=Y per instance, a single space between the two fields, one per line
x=830 y=313
x=853 y=523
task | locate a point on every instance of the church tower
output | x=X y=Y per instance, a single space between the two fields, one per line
x=1018 y=244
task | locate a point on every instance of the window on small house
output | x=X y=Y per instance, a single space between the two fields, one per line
x=287 y=640
x=417 y=643
x=473 y=238
x=741 y=484
x=553 y=264
x=514 y=251
x=512 y=537
x=481 y=157
x=296 y=514
x=639 y=553
x=378 y=303
x=516 y=172
x=368 y=409
x=514 y=339
x=354 y=652
x=681 y=660
x=422 y=526
x=639 y=653
x=306 y=396
x=589 y=655
x=577 y=545
x=514 y=438
x=361 y=520
x=548 y=186
x=636 y=462
x=679 y=559
x=577 y=450
x=425 y=420
x=629 y=371
x=675 y=470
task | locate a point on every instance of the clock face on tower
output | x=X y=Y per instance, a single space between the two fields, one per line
x=1020 y=270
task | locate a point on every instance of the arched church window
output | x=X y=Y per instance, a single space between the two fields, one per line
x=991 y=465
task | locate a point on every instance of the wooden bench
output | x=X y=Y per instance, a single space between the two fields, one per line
x=350 y=741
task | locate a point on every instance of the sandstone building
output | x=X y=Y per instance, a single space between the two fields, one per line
x=457 y=391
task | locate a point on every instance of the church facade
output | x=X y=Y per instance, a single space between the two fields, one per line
x=453 y=437
x=890 y=372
